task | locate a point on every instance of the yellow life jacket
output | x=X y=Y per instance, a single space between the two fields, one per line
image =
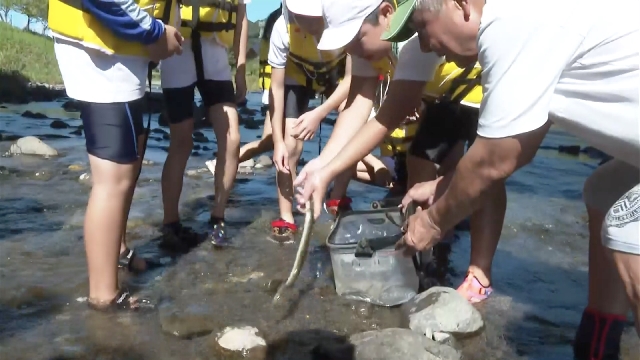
x=317 y=69
x=264 y=75
x=444 y=78
x=69 y=19
x=217 y=18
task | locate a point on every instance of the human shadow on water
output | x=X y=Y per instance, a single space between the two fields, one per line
x=17 y=217
x=310 y=344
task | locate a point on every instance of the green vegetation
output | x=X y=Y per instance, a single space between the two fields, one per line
x=26 y=56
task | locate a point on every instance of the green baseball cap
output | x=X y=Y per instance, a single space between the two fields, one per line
x=399 y=30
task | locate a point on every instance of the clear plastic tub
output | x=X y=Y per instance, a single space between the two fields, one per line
x=384 y=276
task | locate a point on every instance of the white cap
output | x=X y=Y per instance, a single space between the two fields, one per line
x=304 y=7
x=343 y=19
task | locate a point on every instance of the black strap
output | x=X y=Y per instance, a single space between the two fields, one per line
x=196 y=44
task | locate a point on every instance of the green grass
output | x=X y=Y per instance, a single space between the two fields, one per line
x=29 y=55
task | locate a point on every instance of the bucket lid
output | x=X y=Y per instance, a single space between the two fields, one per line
x=366 y=225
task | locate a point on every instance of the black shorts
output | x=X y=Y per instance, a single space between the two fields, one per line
x=112 y=130
x=442 y=126
x=296 y=101
x=179 y=101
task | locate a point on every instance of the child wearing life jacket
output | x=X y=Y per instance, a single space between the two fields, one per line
x=103 y=51
x=451 y=96
x=298 y=71
x=210 y=32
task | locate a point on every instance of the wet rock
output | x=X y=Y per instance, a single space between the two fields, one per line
x=58 y=124
x=31 y=145
x=85 y=178
x=571 y=149
x=246 y=111
x=197 y=147
x=158 y=131
x=72 y=105
x=205 y=148
x=397 y=344
x=443 y=310
x=263 y=161
x=247 y=164
x=166 y=137
x=196 y=172
x=199 y=137
x=188 y=322
x=76 y=167
x=76 y=132
x=52 y=136
x=240 y=338
x=33 y=115
x=9 y=137
x=251 y=124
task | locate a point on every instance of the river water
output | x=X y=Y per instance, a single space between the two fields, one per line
x=539 y=276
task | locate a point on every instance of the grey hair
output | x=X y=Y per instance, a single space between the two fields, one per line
x=430 y=5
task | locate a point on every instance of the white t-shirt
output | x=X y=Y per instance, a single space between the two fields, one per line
x=575 y=62
x=412 y=63
x=180 y=70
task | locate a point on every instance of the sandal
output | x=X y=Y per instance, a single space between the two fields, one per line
x=122 y=301
x=126 y=260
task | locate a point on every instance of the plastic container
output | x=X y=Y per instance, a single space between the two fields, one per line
x=366 y=266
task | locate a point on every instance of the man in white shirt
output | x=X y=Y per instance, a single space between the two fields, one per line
x=580 y=63
x=204 y=64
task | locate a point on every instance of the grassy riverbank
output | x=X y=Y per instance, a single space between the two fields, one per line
x=29 y=57
x=26 y=57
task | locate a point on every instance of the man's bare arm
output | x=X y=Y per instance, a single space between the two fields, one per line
x=487 y=162
x=341 y=92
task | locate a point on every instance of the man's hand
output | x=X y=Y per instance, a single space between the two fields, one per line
x=169 y=43
x=241 y=87
x=304 y=128
x=281 y=157
x=421 y=193
x=315 y=187
x=422 y=233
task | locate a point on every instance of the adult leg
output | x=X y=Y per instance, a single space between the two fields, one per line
x=600 y=329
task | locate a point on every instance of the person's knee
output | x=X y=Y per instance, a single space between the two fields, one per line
x=181 y=141
x=112 y=177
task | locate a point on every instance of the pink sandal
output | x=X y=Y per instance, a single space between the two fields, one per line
x=472 y=290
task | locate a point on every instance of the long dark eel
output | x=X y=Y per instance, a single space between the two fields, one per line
x=303 y=250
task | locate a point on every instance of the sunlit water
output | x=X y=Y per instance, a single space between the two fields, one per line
x=539 y=276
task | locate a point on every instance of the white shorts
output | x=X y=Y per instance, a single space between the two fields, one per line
x=614 y=189
x=179 y=71
x=265 y=97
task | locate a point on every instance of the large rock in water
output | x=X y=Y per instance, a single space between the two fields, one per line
x=442 y=310
x=398 y=344
x=31 y=145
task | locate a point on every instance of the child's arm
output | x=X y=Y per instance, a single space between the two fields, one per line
x=240 y=41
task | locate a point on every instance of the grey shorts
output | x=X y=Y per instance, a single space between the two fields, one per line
x=614 y=189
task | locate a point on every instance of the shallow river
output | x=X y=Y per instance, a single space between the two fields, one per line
x=540 y=270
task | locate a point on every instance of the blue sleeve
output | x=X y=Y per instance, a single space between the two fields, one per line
x=126 y=19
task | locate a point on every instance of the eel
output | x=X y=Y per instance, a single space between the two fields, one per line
x=303 y=250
